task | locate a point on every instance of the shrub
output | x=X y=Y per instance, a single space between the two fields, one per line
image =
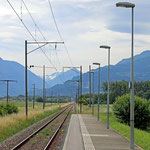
x=8 y=109
x=121 y=109
x=39 y=99
x=3 y=110
x=83 y=101
x=11 y=108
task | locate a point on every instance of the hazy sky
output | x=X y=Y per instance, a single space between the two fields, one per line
x=83 y=24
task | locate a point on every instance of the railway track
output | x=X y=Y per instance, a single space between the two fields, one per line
x=43 y=137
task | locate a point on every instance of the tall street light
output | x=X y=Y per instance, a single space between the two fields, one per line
x=107 y=47
x=91 y=72
x=90 y=85
x=131 y=5
x=98 y=88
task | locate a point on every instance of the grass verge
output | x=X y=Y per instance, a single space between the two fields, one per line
x=12 y=124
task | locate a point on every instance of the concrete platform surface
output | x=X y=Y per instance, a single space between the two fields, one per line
x=86 y=133
x=73 y=140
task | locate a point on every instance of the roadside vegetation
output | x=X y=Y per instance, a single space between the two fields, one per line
x=9 y=108
x=13 y=123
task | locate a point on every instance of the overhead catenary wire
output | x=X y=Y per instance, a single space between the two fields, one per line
x=30 y=33
x=35 y=40
x=51 y=9
x=38 y=28
x=33 y=20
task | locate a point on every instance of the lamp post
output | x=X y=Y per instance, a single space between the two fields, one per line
x=107 y=47
x=92 y=94
x=90 y=85
x=131 y=5
x=98 y=89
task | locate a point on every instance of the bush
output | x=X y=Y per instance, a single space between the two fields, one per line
x=8 y=109
x=121 y=109
x=11 y=108
x=3 y=111
x=83 y=101
x=39 y=99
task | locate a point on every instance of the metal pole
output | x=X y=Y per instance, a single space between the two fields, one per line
x=93 y=97
x=33 y=95
x=43 y=86
x=26 y=84
x=108 y=89
x=132 y=88
x=90 y=85
x=98 y=92
x=7 y=91
x=80 y=88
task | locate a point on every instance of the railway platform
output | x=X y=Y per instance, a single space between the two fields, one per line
x=86 y=133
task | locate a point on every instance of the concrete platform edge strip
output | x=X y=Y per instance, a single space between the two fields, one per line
x=67 y=137
x=88 y=144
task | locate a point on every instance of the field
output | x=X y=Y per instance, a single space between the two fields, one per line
x=142 y=138
x=12 y=124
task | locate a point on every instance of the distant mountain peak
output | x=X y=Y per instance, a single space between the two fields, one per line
x=140 y=56
x=1 y=59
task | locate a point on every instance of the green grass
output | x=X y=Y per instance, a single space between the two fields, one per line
x=11 y=130
x=142 y=138
x=21 y=103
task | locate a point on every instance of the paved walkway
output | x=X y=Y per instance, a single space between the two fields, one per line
x=86 y=133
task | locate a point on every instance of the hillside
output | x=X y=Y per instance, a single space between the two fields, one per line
x=118 y=72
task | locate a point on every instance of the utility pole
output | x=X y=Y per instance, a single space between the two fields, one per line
x=80 y=90
x=43 y=67
x=26 y=54
x=43 y=87
x=33 y=95
x=90 y=85
x=8 y=86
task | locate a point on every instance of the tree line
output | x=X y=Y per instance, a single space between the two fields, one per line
x=119 y=88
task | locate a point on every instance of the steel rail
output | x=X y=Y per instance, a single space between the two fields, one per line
x=47 y=147
x=38 y=130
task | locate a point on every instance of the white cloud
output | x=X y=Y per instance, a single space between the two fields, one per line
x=84 y=24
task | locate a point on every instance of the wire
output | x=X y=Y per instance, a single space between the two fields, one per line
x=30 y=34
x=39 y=29
x=34 y=20
x=34 y=39
x=51 y=9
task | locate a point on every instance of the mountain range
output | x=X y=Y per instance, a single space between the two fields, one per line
x=11 y=70
x=59 y=83
x=118 y=72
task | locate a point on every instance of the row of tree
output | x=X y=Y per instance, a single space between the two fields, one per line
x=119 y=88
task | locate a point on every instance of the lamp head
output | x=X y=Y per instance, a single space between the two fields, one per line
x=105 y=46
x=125 y=4
x=96 y=63
x=31 y=66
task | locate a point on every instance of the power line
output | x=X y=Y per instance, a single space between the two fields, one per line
x=30 y=33
x=34 y=39
x=39 y=28
x=51 y=9
x=34 y=21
